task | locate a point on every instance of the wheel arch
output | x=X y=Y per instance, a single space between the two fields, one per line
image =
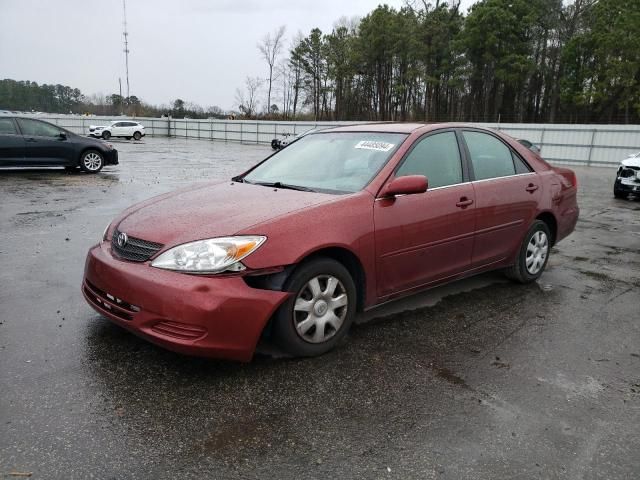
x=351 y=262
x=342 y=255
x=87 y=148
x=550 y=220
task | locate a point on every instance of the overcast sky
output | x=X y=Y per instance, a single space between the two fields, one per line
x=198 y=50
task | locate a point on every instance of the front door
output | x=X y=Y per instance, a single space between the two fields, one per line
x=43 y=144
x=11 y=144
x=427 y=237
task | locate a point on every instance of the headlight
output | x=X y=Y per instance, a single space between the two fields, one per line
x=108 y=146
x=209 y=256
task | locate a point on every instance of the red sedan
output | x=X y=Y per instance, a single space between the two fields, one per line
x=338 y=222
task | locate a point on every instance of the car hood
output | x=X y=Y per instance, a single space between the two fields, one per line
x=212 y=210
x=631 y=162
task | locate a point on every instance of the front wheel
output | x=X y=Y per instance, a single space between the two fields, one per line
x=137 y=136
x=106 y=135
x=91 y=161
x=320 y=311
x=533 y=254
x=618 y=193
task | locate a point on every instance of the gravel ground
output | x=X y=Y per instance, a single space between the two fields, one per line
x=481 y=379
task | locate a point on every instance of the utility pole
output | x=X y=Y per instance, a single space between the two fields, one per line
x=126 y=43
x=120 y=82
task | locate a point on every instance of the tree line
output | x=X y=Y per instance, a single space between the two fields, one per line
x=18 y=95
x=505 y=60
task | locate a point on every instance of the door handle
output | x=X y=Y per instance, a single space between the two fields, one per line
x=464 y=202
x=531 y=188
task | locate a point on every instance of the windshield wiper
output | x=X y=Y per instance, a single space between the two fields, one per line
x=282 y=185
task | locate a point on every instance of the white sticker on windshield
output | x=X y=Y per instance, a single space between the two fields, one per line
x=373 y=145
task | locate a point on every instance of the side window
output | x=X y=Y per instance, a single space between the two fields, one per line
x=490 y=157
x=521 y=166
x=437 y=157
x=37 y=128
x=7 y=127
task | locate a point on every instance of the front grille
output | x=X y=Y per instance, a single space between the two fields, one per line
x=135 y=250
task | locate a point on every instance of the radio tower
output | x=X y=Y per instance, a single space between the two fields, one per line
x=126 y=43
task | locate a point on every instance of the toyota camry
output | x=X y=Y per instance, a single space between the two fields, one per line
x=338 y=222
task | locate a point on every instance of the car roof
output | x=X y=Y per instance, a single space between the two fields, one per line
x=397 y=127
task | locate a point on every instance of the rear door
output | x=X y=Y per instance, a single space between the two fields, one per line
x=43 y=144
x=507 y=194
x=11 y=143
x=426 y=237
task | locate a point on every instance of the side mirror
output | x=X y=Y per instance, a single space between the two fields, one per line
x=62 y=136
x=406 y=185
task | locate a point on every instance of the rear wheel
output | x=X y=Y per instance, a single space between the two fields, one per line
x=106 y=135
x=91 y=161
x=321 y=310
x=533 y=254
x=137 y=136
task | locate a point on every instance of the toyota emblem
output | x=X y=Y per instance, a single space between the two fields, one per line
x=122 y=239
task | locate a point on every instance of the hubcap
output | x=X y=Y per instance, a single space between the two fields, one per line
x=92 y=161
x=537 y=251
x=320 y=309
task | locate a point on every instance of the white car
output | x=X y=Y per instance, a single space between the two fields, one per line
x=126 y=129
x=628 y=177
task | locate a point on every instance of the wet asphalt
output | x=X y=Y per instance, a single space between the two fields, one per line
x=481 y=379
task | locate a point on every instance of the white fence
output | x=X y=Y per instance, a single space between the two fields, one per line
x=598 y=145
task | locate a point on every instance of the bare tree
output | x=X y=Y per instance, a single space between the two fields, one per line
x=248 y=103
x=270 y=48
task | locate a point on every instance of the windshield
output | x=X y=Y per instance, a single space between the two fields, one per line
x=337 y=162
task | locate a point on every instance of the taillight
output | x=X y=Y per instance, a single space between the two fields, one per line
x=569 y=176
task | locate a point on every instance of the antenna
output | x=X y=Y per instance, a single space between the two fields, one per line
x=126 y=43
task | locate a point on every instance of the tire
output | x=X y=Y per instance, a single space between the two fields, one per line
x=618 y=194
x=91 y=161
x=137 y=136
x=275 y=144
x=533 y=254
x=106 y=135
x=324 y=295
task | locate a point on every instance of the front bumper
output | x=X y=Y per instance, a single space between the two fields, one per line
x=628 y=186
x=189 y=314
x=111 y=157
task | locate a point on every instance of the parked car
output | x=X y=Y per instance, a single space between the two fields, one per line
x=628 y=177
x=531 y=146
x=287 y=138
x=338 y=222
x=27 y=142
x=126 y=129
x=283 y=141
